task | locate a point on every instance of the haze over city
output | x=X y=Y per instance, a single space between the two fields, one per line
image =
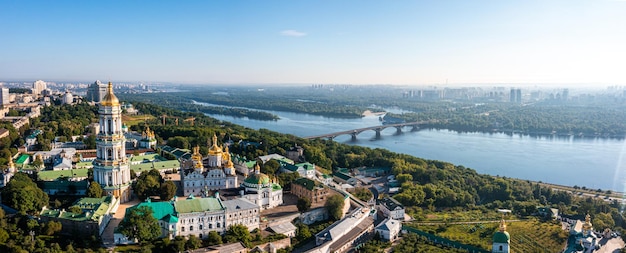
x=357 y=42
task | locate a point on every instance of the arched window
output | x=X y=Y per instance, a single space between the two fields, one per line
x=109 y=154
x=110 y=127
x=500 y=247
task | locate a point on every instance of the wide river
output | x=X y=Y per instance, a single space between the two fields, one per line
x=591 y=162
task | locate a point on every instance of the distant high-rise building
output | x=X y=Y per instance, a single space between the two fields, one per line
x=68 y=99
x=96 y=91
x=38 y=86
x=4 y=96
x=565 y=94
x=516 y=96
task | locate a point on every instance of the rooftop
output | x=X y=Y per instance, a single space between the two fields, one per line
x=390 y=203
x=93 y=209
x=155 y=165
x=192 y=205
x=147 y=158
x=283 y=228
x=307 y=183
x=49 y=175
x=238 y=204
x=160 y=210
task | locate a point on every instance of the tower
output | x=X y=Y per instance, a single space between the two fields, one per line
x=111 y=169
x=501 y=239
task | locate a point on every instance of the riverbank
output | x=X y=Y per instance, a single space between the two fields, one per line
x=368 y=113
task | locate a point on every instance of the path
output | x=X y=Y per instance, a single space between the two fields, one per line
x=108 y=241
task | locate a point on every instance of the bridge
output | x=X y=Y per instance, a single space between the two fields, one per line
x=354 y=132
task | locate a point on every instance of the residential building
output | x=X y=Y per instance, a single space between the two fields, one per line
x=4 y=96
x=67 y=98
x=391 y=208
x=38 y=87
x=96 y=91
x=110 y=168
x=389 y=229
x=307 y=188
x=354 y=229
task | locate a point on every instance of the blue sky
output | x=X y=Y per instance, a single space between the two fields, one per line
x=359 y=42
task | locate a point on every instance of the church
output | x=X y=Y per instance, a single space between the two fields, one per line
x=110 y=168
x=501 y=240
x=262 y=191
x=219 y=173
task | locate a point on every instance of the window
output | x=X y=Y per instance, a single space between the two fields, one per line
x=210 y=226
x=190 y=228
x=500 y=247
x=182 y=229
x=218 y=225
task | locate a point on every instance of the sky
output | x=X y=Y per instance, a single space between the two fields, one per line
x=338 y=42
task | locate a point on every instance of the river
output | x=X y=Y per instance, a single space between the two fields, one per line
x=590 y=162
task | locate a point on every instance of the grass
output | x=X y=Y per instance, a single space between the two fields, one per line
x=526 y=236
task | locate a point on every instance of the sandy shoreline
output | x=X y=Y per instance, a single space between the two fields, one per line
x=370 y=113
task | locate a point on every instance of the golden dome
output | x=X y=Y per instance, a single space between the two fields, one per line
x=215 y=149
x=110 y=99
x=197 y=158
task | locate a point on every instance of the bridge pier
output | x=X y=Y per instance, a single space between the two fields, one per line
x=398 y=129
x=378 y=132
x=330 y=138
x=415 y=128
x=354 y=136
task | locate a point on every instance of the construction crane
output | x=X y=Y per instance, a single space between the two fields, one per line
x=165 y=117
x=192 y=119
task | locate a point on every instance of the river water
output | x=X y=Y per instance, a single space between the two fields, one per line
x=591 y=162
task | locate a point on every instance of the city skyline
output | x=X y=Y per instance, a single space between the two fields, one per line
x=515 y=43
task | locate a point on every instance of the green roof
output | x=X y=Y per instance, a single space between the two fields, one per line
x=341 y=175
x=192 y=205
x=22 y=159
x=84 y=165
x=49 y=175
x=149 y=157
x=92 y=209
x=306 y=166
x=306 y=183
x=501 y=237
x=157 y=165
x=257 y=179
x=160 y=210
x=276 y=187
x=250 y=164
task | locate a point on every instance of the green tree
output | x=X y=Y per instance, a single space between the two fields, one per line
x=51 y=228
x=94 y=190
x=140 y=224
x=303 y=204
x=335 y=204
x=303 y=233
x=168 y=190
x=238 y=233
x=363 y=193
x=148 y=184
x=213 y=238
x=193 y=242
x=75 y=209
x=23 y=194
x=270 y=167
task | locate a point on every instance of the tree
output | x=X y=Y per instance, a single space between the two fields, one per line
x=238 y=233
x=363 y=193
x=193 y=243
x=23 y=194
x=303 y=204
x=168 y=190
x=214 y=238
x=270 y=167
x=75 y=209
x=148 y=184
x=334 y=205
x=51 y=227
x=303 y=232
x=139 y=224
x=94 y=190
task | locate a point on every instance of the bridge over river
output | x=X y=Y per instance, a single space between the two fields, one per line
x=354 y=132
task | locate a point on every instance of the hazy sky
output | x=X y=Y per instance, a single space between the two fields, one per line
x=360 y=42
